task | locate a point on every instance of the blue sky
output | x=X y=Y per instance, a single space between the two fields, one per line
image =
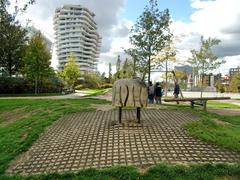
x=179 y=9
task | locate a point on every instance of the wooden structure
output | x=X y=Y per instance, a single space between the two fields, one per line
x=197 y=101
x=129 y=93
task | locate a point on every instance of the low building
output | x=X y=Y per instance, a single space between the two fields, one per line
x=234 y=71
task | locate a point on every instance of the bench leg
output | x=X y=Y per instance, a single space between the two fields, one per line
x=120 y=114
x=138 y=114
x=205 y=105
x=192 y=104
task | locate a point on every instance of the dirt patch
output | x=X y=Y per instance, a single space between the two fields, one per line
x=221 y=122
x=226 y=112
x=11 y=116
x=102 y=107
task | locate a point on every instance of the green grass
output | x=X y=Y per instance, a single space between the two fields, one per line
x=93 y=92
x=221 y=105
x=30 y=94
x=221 y=130
x=160 y=171
x=23 y=121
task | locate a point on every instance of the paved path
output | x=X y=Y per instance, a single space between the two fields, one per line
x=94 y=139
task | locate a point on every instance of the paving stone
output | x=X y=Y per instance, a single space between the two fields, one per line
x=91 y=139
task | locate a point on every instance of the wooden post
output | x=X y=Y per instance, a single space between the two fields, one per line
x=120 y=114
x=138 y=114
x=192 y=104
x=204 y=105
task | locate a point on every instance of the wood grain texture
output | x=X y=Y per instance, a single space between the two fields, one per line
x=130 y=93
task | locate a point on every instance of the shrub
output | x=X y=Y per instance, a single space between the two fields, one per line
x=18 y=85
x=11 y=85
x=92 y=80
x=108 y=85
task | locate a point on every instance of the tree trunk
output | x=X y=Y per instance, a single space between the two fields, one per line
x=149 y=68
x=36 y=85
x=201 y=85
x=134 y=67
x=166 y=79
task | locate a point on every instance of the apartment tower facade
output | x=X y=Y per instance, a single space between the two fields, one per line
x=76 y=32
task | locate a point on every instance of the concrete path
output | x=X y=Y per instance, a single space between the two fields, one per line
x=95 y=139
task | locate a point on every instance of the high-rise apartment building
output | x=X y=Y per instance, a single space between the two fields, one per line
x=76 y=32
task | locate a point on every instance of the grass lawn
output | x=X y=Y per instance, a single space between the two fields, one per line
x=23 y=121
x=160 y=171
x=93 y=92
x=219 y=105
x=30 y=94
x=214 y=128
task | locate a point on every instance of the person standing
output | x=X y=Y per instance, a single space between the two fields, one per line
x=158 y=93
x=176 y=91
x=150 y=93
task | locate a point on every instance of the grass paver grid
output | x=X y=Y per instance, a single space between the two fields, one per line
x=95 y=139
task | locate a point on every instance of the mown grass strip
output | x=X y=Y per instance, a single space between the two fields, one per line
x=160 y=171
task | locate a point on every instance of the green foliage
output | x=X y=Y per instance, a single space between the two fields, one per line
x=205 y=60
x=125 y=71
x=13 y=41
x=149 y=36
x=10 y=85
x=37 y=61
x=93 y=80
x=219 y=86
x=235 y=83
x=108 y=85
x=20 y=85
x=71 y=71
x=12 y=37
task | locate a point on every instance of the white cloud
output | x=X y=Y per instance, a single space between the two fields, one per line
x=216 y=19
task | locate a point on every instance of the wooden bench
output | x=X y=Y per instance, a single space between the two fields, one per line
x=129 y=93
x=197 y=101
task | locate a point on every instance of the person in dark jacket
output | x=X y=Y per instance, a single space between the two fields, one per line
x=158 y=93
x=150 y=93
x=176 y=90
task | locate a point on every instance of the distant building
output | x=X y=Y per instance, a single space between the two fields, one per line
x=76 y=32
x=234 y=71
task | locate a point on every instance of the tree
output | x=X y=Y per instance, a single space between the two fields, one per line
x=110 y=72
x=37 y=61
x=167 y=54
x=12 y=37
x=93 y=80
x=118 y=64
x=150 y=34
x=71 y=71
x=235 y=83
x=205 y=60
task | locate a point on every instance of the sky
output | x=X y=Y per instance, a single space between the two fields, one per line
x=191 y=19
